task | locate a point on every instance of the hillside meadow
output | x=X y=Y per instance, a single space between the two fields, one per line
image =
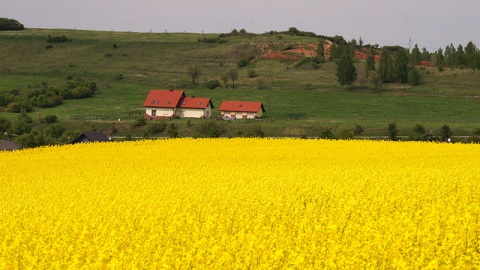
x=298 y=100
x=241 y=204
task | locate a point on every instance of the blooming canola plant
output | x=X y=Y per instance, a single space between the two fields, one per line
x=241 y=203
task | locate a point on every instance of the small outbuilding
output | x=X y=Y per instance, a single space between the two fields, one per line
x=91 y=137
x=9 y=145
x=241 y=109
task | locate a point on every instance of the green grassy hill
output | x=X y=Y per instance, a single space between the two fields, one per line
x=298 y=100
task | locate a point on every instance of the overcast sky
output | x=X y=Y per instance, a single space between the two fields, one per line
x=428 y=23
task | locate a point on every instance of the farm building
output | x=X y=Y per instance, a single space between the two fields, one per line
x=241 y=109
x=9 y=145
x=174 y=103
x=91 y=137
x=195 y=107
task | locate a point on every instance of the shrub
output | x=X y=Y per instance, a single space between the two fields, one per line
x=17 y=107
x=118 y=77
x=413 y=76
x=113 y=129
x=172 y=130
x=445 y=132
x=210 y=129
x=22 y=127
x=10 y=25
x=26 y=140
x=327 y=134
x=6 y=98
x=157 y=127
x=213 y=84
x=80 y=92
x=476 y=131
x=49 y=119
x=344 y=134
x=254 y=131
x=140 y=121
x=57 y=39
x=251 y=73
x=420 y=133
x=392 y=131
x=358 y=129
x=209 y=40
x=5 y=125
x=243 y=63
x=55 y=131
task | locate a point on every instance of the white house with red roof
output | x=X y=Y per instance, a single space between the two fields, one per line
x=174 y=103
x=241 y=109
x=195 y=107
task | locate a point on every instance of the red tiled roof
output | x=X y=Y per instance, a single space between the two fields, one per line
x=195 y=103
x=241 y=106
x=163 y=98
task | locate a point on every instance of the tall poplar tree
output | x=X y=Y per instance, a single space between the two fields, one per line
x=320 y=51
x=439 y=59
x=416 y=56
x=370 y=63
x=470 y=51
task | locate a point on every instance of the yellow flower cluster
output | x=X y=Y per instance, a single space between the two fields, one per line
x=241 y=204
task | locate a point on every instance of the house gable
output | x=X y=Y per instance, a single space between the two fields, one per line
x=163 y=98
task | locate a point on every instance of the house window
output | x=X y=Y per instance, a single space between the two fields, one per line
x=199 y=103
x=154 y=113
x=158 y=101
x=153 y=101
x=168 y=102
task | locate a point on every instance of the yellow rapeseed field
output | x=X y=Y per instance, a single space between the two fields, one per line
x=241 y=204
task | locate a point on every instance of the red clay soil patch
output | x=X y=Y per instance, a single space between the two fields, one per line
x=425 y=64
x=303 y=52
x=364 y=56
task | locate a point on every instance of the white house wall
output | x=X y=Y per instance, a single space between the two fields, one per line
x=160 y=112
x=241 y=115
x=191 y=113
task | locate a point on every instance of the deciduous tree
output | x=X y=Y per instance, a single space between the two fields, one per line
x=346 y=71
x=194 y=72
x=385 y=67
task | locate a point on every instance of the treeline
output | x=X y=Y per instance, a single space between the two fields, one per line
x=396 y=64
x=459 y=57
x=17 y=100
x=10 y=25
